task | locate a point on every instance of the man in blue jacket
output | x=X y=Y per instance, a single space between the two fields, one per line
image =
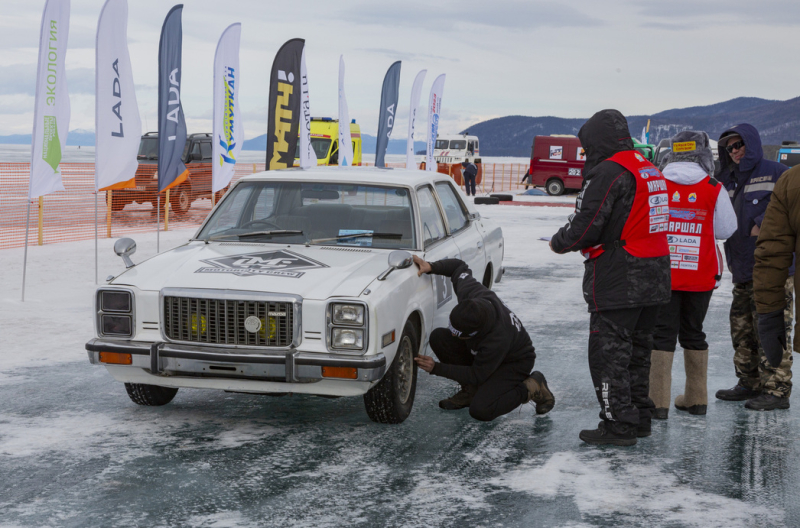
x=750 y=179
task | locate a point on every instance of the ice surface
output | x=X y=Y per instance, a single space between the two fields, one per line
x=75 y=451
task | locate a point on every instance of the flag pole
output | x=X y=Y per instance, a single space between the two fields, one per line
x=25 y=258
x=158 y=224
x=95 y=239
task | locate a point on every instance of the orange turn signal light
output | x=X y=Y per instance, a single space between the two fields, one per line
x=115 y=358
x=340 y=372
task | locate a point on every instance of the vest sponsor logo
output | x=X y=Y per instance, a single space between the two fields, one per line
x=672 y=249
x=689 y=265
x=683 y=240
x=684 y=146
x=649 y=171
x=659 y=219
x=674 y=257
x=688 y=250
x=685 y=227
x=692 y=197
x=683 y=214
x=655 y=186
x=676 y=197
x=639 y=157
x=659 y=210
x=658 y=228
x=279 y=263
x=657 y=199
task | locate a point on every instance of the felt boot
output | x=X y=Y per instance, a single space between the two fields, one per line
x=661 y=382
x=694 y=400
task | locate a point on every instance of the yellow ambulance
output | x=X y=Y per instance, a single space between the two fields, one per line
x=325 y=141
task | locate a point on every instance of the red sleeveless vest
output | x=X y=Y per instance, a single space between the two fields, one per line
x=692 y=246
x=644 y=233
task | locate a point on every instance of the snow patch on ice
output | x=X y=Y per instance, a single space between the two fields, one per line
x=616 y=486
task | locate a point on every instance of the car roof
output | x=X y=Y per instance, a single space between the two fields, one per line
x=366 y=175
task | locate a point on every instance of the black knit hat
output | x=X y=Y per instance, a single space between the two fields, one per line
x=470 y=316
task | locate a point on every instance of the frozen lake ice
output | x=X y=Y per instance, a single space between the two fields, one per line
x=75 y=451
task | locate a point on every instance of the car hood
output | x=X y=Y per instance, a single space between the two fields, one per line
x=316 y=272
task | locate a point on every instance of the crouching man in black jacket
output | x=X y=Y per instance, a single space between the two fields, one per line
x=485 y=349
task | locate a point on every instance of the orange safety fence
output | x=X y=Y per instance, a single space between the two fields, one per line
x=70 y=214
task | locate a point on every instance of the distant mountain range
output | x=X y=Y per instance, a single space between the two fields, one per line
x=85 y=138
x=775 y=120
x=513 y=135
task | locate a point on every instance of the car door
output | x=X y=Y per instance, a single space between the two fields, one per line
x=463 y=231
x=437 y=246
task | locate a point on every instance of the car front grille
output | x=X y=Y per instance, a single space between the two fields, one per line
x=222 y=321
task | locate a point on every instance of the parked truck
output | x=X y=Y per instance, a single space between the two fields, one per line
x=325 y=141
x=557 y=162
x=451 y=151
x=196 y=157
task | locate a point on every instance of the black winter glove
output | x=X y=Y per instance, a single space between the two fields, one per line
x=772 y=332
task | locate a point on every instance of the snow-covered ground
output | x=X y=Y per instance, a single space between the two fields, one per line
x=75 y=451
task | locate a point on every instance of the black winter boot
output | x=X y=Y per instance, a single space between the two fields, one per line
x=608 y=433
x=737 y=393
x=539 y=392
x=459 y=400
x=767 y=402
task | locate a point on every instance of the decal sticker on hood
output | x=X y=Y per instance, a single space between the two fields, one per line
x=281 y=263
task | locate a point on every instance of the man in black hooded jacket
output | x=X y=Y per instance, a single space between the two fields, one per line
x=623 y=290
x=485 y=349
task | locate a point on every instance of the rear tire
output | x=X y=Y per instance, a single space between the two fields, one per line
x=180 y=200
x=150 y=395
x=486 y=200
x=391 y=400
x=555 y=187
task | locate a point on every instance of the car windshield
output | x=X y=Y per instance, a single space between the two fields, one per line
x=148 y=148
x=458 y=144
x=320 y=145
x=442 y=144
x=789 y=157
x=327 y=214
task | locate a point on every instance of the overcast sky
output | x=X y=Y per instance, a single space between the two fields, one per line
x=504 y=57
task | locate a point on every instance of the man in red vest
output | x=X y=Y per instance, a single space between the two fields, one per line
x=700 y=212
x=620 y=224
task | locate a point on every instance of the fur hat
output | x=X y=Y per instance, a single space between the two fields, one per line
x=469 y=317
x=692 y=146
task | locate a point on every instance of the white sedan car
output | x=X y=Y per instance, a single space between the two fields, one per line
x=298 y=282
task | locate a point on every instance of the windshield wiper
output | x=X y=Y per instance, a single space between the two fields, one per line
x=359 y=235
x=259 y=233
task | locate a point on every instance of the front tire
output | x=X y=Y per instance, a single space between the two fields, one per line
x=150 y=395
x=555 y=187
x=391 y=400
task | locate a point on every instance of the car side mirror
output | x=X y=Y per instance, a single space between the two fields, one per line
x=125 y=247
x=397 y=260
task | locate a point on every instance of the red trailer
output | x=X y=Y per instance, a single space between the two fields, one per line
x=557 y=163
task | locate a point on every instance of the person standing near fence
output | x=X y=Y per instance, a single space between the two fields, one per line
x=699 y=213
x=617 y=227
x=470 y=172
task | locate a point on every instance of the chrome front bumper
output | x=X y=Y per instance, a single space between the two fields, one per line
x=285 y=365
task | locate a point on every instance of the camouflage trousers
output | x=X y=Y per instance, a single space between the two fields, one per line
x=752 y=368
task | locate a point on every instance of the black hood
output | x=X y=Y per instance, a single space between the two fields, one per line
x=602 y=136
